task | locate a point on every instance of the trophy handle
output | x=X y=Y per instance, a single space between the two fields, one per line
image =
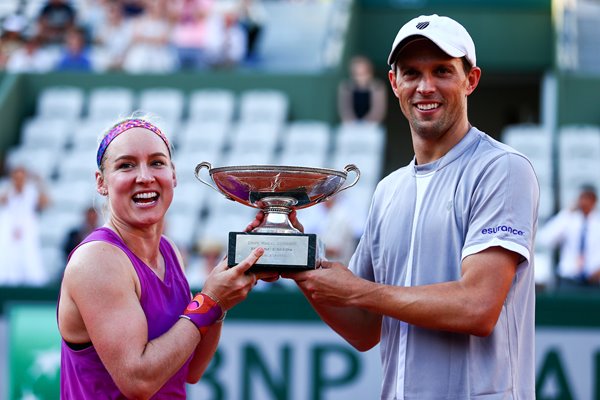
x=348 y=168
x=208 y=166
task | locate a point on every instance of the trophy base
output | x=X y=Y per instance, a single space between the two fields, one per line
x=284 y=252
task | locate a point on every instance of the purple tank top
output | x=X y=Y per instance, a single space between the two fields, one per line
x=82 y=374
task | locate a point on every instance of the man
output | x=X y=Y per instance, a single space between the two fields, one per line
x=576 y=229
x=442 y=278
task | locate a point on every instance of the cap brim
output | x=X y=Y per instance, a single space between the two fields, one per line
x=446 y=48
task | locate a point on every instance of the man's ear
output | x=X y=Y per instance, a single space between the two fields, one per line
x=393 y=82
x=473 y=77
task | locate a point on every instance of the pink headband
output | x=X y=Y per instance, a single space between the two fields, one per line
x=122 y=127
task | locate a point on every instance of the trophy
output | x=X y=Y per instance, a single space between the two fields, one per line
x=277 y=190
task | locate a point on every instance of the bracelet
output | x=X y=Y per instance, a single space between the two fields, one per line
x=222 y=317
x=203 y=312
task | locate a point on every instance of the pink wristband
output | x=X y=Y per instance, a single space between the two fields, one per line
x=203 y=312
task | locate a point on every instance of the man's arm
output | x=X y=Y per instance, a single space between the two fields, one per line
x=352 y=306
x=470 y=305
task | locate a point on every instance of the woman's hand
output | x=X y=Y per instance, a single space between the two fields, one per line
x=230 y=286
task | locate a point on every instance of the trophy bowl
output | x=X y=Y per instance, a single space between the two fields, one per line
x=277 y=190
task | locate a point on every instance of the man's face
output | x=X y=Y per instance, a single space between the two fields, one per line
x=432 y=88
x=19 y=177
x=587 y=202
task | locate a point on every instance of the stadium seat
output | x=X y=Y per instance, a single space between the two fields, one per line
x=578 y=160
x=72 y=195
x=263 y=106
x=88 y=133
x=181 y=228
x=60 y=102
x=40 y=161
x=55 y=224
x=216 y=105
x=535 y=142
x=532 y=140
x=186 y=161
x=78 y=165
x=360 y=138
x=256 y=137
x=189 y=198
x=110 y=102
x=305 y=143
x=290 y=157
x=46 y=132
x=167 y=103
x=251 y=156
x=203 y=135
x=307 y=137
x=218 y=225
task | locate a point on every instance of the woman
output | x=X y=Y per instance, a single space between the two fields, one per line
x=21 y=201
x=122 y=314
x=363 y=97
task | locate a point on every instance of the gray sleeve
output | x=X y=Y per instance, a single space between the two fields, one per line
x=504 y=207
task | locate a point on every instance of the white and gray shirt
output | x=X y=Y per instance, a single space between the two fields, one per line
x=424 y=220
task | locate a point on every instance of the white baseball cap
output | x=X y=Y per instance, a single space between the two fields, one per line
x=446 y=33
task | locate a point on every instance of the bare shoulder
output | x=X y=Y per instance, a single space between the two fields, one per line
x=96 y=262
x=97 y=273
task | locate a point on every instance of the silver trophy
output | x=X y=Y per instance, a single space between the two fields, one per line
x=277 y=190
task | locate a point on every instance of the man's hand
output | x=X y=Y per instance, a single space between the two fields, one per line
x=332 y=284
x=260 y=216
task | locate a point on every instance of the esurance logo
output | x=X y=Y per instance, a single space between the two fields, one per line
x=501 y=228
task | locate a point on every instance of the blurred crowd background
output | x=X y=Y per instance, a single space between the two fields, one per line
x=135 y=36
x=124 y=47
x=48 y=201
x=296 y=82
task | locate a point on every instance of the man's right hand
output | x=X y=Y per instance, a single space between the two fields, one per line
x=258 y=219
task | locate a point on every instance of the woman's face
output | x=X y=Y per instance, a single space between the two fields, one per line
x=138 y=178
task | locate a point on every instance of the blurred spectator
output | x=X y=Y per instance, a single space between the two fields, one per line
x=31 y=57
x=113 y=37
x=330 y=220
x=226 y=41
x=92 y=15
x=55 y=19
x=75 y=55
x=150 y=50
x=12 y=37
x=133 y=8
x=210 y=252
x=189 y=31
x=363 y=97
x=20 y=249
x=251 y=16
x=77 y=234
x=577 y=231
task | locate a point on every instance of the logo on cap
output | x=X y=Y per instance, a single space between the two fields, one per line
x=422 y=25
